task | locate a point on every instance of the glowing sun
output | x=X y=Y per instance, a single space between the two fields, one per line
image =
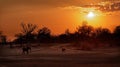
x=90 y=15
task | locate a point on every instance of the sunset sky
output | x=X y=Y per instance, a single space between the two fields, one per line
x=57 y=15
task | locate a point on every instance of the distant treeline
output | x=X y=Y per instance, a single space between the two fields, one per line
x=83 y=33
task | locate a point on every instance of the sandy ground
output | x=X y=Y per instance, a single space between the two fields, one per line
x=52 y=56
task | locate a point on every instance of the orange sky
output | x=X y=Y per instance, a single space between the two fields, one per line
x=58 y=16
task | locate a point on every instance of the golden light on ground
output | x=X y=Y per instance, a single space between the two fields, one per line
x=90 y=15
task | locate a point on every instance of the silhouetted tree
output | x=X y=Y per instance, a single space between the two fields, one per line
x=102 y=36
x=3 y=39
x=85 y=31
x=44 y=34
x=62 y=38
x=116 y=35
x=28 y=28
x=0 y=33
x=20 y=38
x=103 y=33
x=67 y=32
x=27 y=33
x=0 y=36
x=117 y=32
x=67 y=35
x=84 y=34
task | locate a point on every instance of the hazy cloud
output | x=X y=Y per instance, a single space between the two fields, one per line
x=59 y=3
x=50 y=3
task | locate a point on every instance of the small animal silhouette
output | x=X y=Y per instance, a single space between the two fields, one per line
x=63 y=49
x=26 y=50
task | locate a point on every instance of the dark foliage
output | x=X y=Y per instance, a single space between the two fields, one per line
x=26 y=35
x=44 y=35
x=83 y=34
x=3 y=38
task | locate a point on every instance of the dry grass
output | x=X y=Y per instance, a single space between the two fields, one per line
x=52 y=56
